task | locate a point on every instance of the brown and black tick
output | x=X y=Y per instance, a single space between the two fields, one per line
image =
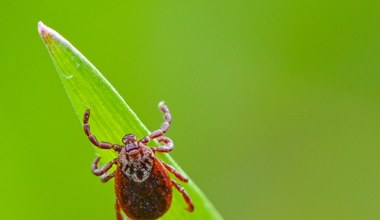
x=143 y=187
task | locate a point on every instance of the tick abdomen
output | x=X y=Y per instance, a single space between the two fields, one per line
x=145 y=200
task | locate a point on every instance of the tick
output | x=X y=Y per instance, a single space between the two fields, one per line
x=143 y=187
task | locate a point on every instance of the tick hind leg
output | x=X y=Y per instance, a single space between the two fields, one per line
x=176 y=173
x=186 y=197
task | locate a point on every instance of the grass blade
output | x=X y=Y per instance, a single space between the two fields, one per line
x=111 y=117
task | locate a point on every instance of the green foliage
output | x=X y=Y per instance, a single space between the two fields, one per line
x=87 y=88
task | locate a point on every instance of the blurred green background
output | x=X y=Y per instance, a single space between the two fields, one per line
x=276 y=104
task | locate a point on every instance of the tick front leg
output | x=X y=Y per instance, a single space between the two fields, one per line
x=164 y=126
x=167 y=116
x=186 y=197
x=175 y=172
x=169 y=146
x=92 y=138
x=100 y=171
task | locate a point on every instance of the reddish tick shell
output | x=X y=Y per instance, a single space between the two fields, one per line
x=145 y=200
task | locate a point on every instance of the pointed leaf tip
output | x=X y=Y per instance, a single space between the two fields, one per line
x=47 y=33
x=42 y=29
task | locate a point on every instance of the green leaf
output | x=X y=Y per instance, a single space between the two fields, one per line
x=111 y=117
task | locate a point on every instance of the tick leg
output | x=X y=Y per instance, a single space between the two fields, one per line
x=164 y=126
x=186 y=197
x=118 y=211
x=167 y=115
x=175 y=172
x=166 y=148
x=92 y=138
x=100 y=171
x=106 y=176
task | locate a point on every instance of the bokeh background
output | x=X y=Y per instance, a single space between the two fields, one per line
x=276 y=104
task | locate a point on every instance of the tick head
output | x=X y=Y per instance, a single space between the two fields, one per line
x=130 y=142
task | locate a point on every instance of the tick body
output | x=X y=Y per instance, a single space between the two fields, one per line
x=143 y=187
